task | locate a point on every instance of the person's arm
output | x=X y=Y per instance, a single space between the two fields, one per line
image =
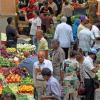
x=56 y=33
x=46 y=54
x=17 y=35
x=47 y=97
x=95 y=69
x=39 y=22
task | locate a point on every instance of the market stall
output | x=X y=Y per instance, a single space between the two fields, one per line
x=13 y=79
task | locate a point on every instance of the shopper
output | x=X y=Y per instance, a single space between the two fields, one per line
x=36 y=24
x=89 y=74
x=42 y=63
x=37 y=69
x=67 y=11
x=11 y=33
x=81 y=25
x=42 y=42
x=28 y=62
x=96 y=35
x=53 y=91
x=64 y=35
x=53 y=5
x=85 y=39
x=70 y=67
x=58 y=56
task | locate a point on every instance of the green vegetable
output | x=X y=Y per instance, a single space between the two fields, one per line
x=6 y=90
x=4 y=62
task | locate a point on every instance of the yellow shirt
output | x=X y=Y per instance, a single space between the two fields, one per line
x=43 y=44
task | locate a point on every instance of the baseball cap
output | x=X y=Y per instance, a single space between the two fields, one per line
x=93 y=50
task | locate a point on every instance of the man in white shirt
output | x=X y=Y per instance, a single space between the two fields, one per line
x=96 y=36
x=64 y=35
x=36 y=24
x=37 y=69
x=42 y=63
x=85 y=39
x=89 y=71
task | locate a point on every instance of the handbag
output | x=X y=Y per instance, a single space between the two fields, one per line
x=81 y=89
x=95 y=80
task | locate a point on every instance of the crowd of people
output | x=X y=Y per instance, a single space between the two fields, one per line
x=69 y=61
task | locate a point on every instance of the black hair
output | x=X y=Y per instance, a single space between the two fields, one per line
x=90 y=53
x=95 y=57
x=66 y=2
x=13 y=97
x=45 y=2
x=73 y=53
x=37 y=12
x=46 y=72
x=9 y=20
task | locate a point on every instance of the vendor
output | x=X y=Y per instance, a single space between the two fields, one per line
x=28 y=62
x=11 y=33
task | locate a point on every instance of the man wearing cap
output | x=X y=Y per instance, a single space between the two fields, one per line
x=64 y=35
x=89 y=70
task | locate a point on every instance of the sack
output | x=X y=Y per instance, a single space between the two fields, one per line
x=81 y=89
x=95 y=80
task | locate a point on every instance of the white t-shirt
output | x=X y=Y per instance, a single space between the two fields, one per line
x=53 y=6
x=96 y=33
x=64 y=34
x=35 y=23
x=87 y=67
x=45 y=64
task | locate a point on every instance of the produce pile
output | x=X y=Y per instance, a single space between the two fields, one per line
x=76 y=5
x=11 y=50
x=13 y=80
x=4 y=62
x=25 y=47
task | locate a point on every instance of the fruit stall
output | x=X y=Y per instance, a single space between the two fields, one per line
x=13 y=79
x=79 y=8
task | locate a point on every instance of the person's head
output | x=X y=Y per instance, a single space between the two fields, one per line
x=26 y=53
x=41 y=56
x=8 y=96
x=64 y=19
x=88 y=25
x=80 y=57
x=45 y=3
x=55 y=44
x=36 y=13
x=97 y=22
x=39 y=34
x=66 y=3
x=50 y=1
x=92 y=53
x=73 y=54
x=46 y=73
x=84 y=19
x=10 y=20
